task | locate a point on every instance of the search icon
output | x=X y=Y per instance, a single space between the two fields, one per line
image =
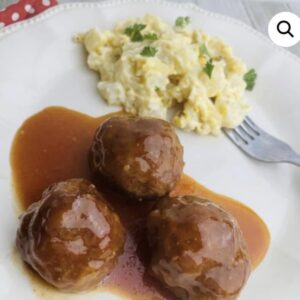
x=284 y=29
x=288 y=28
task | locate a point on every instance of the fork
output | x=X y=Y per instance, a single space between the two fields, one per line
x=260 y=145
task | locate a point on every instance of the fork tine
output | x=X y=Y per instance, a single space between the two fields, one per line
x=240 y=135
x=246 y=132
x=233 y=136
x=250 y=128
x=251 y=125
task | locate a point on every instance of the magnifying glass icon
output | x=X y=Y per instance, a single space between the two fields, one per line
x=286 y=26
x=284 y=29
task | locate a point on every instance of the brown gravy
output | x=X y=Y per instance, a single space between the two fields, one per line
x=52 y=146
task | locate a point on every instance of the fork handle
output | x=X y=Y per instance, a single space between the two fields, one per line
x=295 y=160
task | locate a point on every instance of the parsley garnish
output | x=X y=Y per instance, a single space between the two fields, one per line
x=182 y=21
x=203 y=50
x=250 y=78
x=150 y=36
x=149 y=51
x=209 y=68
x=134 y=32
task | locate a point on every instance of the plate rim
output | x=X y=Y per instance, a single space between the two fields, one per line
x=54 y=10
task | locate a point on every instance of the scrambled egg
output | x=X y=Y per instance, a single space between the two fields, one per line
x=148 y=76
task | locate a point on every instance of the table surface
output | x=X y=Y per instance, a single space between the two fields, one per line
x=256 y=13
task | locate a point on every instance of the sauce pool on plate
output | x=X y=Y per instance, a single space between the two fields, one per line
x=53 y=145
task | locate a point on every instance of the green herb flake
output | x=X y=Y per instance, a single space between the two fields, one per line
x=149 y=51
x=203 y=50
x=134 y=32
x=150 y=36
x=137 y=37
x=182 y=21
x=250 y=78
x=208 y=69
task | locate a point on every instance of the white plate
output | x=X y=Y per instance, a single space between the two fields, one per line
x=41 y=66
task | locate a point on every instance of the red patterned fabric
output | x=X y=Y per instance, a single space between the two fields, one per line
x=22 y=10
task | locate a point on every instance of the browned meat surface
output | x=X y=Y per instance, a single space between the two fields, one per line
x=142 y=156
x=198 y=249
x=71 y=237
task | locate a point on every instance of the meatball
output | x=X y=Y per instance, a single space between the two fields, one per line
x=71 y=237
x=142 y=156
x=198 y=249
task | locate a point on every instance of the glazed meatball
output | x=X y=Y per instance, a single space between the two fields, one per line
x=142 y=156
x=71 y=237
x=198 y=249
